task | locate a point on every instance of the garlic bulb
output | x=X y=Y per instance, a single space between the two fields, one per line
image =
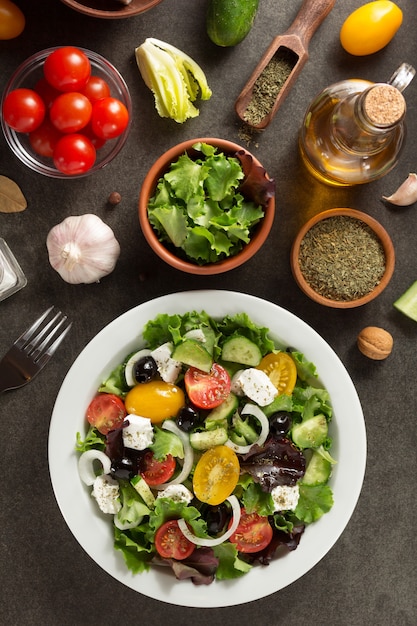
x=82 y=249
x=406 y=193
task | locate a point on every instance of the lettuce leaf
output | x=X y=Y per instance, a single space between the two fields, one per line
x=198 y=209
x=164 y=443
x=137 y=551
x=313 y=502
x=255 y=499
x=116 y=382
x=93 y=440
x=133 y=508
x=230 y=565
x=241 y=324
x=166 y=509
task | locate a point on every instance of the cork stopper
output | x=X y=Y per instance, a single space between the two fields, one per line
x=384 y=105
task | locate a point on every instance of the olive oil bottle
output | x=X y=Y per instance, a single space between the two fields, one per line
x=353 y=131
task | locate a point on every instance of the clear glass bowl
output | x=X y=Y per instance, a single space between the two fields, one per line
x=27 y=75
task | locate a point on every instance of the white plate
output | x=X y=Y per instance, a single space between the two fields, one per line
x=93 y=531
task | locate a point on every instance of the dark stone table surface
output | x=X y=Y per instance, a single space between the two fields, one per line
x=369 y=576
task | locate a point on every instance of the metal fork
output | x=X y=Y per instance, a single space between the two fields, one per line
x=32 y=350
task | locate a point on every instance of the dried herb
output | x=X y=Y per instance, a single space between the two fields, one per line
x=342 y=258
x=268 y=85
x=12 y=199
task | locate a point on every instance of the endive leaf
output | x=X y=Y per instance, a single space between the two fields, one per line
x=173 y=77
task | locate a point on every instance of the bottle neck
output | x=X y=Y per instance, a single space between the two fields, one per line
x=364 y=122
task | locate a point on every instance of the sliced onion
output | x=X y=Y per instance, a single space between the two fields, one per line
x=126 y=525
x=252 y=409
x=130 y=379
x=188 y=455
x=210 y=542
x=86 y=465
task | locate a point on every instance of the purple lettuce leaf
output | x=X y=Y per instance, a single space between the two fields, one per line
x=277 y=462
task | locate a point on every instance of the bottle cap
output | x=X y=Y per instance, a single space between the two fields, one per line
x=384 y=105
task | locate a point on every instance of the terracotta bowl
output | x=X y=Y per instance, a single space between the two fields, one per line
x=345 y=303
x=111 y=9
x=259 y=235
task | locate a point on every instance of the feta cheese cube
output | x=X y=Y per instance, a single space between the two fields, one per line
x=254 y=384
x=285 y=498
x=168 y=368
x=138 y=435
x=178 y=493
x=106 y=492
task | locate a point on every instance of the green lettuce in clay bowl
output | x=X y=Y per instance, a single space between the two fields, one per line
x=206 y=206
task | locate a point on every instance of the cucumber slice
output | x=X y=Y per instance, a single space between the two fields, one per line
x=310 y=433
x=240 y=349
x=143 y=490
x=193 y=353
x=318 y=470
x=222 y=413
x=407 y=303
x=208 y=439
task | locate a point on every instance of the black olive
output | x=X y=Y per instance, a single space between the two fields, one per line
x=188 y=418
x=280 y=423
x=122 y=468
x=145 y=369
x=216 y=518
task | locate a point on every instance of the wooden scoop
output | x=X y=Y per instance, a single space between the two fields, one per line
x=293 y=46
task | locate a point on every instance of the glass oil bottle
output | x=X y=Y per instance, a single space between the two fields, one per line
x=354 y=130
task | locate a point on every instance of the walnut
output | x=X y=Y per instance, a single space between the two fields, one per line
x=375 y=343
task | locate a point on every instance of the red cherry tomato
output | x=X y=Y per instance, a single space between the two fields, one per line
x=23 y=110
x=109 y=118
x=156 y=472
x=46 y=92
x=96 y=89
x=253 y=533
x=67 y=69
x=106 y=412
x=74 y=154
x=97 y=142
x=170 y=543
x=44 y=138
x=207 y=390
x=70 y=112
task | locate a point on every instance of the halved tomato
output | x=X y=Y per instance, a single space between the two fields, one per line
x=106 y=412
x=156 y=399
x=216 y=475
x=281 y=370
x=156 y=472
x=253 y=533
x=171 y=543
x=207 y=390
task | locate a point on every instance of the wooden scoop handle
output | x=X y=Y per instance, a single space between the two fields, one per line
x=296 y=39
x=310 y=16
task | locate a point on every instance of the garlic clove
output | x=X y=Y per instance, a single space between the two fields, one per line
x=406 y=193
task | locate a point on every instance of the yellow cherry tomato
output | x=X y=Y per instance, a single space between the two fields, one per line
x=156 y=400
x=371 y=27
x=281 y=370
x=12 y=20
x=216 y=475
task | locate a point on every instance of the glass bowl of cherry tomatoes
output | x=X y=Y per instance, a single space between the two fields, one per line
x=66 y=112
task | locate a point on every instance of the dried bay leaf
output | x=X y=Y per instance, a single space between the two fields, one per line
x=12 y=199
